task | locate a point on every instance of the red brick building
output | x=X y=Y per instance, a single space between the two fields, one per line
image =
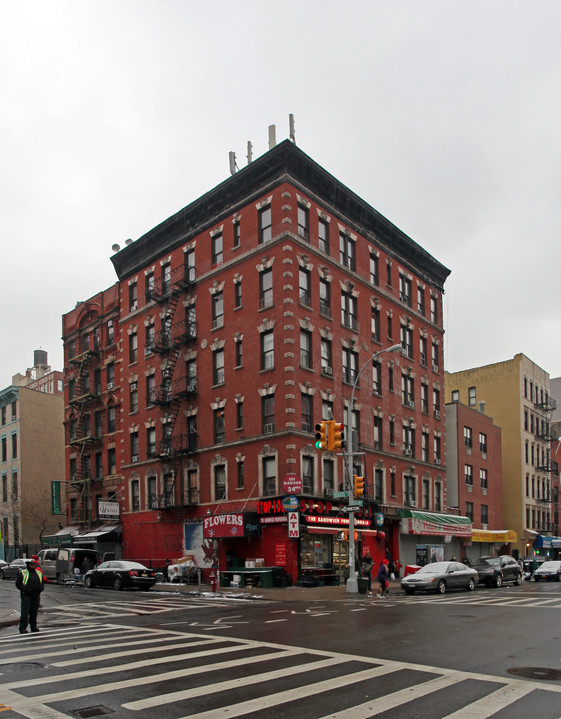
x=474 y=478
x=93 y=412
x=243 y=320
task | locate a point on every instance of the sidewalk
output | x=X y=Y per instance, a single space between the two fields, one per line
x=285 y=594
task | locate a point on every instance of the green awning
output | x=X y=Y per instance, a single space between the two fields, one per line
x=433 y=517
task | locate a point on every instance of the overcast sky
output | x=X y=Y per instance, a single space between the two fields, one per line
x=444 y=116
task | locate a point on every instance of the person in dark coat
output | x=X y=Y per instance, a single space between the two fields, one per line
x=29 y=581
x=366 y=568
x=383 y=579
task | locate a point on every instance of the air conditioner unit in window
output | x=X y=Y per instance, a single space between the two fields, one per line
x=437 y=413
x=468 y=450
x=134 y=307
x=268 y=428
x=407 y=453
x=147 y=351
x=437 y=461
x=484 y=526
x=413 y=503
x=134 y=458
x=327 y=370
x=110 y=385
x=328 y=493
x=469 y=488
x=411 y=404
x=133 y=386
x=484 y=492
x=435 y=368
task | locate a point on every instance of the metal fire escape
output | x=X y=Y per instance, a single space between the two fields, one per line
x=170 y=393
x=81 y=436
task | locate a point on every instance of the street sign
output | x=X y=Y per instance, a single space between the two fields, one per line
x=351 y=508
x=340 y=494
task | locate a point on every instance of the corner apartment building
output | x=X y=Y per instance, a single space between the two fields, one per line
x=474 y=478
x=243 y=320
x=517 y=395
x=32 y=477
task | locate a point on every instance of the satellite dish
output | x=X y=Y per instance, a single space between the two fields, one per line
x=115 y=247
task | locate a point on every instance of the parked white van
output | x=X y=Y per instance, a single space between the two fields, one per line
x=61 y=564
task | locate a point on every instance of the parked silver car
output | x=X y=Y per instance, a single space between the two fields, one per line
x=548 y=570
x=440 y=577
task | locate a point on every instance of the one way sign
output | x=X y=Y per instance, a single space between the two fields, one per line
x=293 y=525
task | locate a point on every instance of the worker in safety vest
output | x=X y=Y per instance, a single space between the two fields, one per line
x=29 y=581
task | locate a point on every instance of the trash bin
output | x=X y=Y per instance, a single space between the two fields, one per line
x=362 y=585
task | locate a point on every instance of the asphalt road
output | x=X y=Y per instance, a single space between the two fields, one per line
x=166 y=655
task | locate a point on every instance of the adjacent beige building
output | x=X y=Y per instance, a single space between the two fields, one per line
x=516 y=393
x=32 y=500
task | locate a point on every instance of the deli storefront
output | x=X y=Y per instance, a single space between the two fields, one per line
x=316 y=535
x=430 y=537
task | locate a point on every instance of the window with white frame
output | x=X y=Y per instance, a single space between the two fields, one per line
x=267 y=350
x=268 y=465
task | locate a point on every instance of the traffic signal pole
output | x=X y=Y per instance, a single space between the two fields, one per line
x=352 y=581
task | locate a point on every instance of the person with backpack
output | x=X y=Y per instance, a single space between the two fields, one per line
x=30 y=582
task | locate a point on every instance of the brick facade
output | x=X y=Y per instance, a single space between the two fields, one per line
x=243 y=320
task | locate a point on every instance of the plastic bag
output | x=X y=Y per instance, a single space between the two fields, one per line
x=392 y=576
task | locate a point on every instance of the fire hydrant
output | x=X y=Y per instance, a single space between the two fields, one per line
x=213 y=579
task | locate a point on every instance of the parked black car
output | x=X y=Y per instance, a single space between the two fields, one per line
x=120 y=575
x=495 y=571
x=10 y=570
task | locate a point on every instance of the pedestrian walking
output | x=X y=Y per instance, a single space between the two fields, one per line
x=383 y=579
x=366 y=570
x=29 y=581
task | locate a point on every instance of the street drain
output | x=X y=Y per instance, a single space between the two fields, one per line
x=92 y=711
x=552 y=675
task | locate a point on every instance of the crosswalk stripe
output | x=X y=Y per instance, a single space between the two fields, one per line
x=8 y=644
x=228 y=685
x=389 y=701
x=493 y=702
x=162 y=646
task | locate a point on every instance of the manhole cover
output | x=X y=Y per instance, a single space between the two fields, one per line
x=92 y=711
x=543 y=673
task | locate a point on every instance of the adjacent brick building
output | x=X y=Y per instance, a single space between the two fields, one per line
x=241 y=322
x=474 y=478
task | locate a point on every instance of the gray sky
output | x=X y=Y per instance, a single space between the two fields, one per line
x=444 y=116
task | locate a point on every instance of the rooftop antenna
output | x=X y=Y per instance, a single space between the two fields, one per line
x=233 y=166
x=249 y=152
x=272 y=136
x=292 y=128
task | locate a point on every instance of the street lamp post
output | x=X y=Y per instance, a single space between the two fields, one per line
x=352 y=581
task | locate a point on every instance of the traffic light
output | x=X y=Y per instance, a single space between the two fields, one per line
x=336 y=436
x=322 y=435
x=358 y=483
